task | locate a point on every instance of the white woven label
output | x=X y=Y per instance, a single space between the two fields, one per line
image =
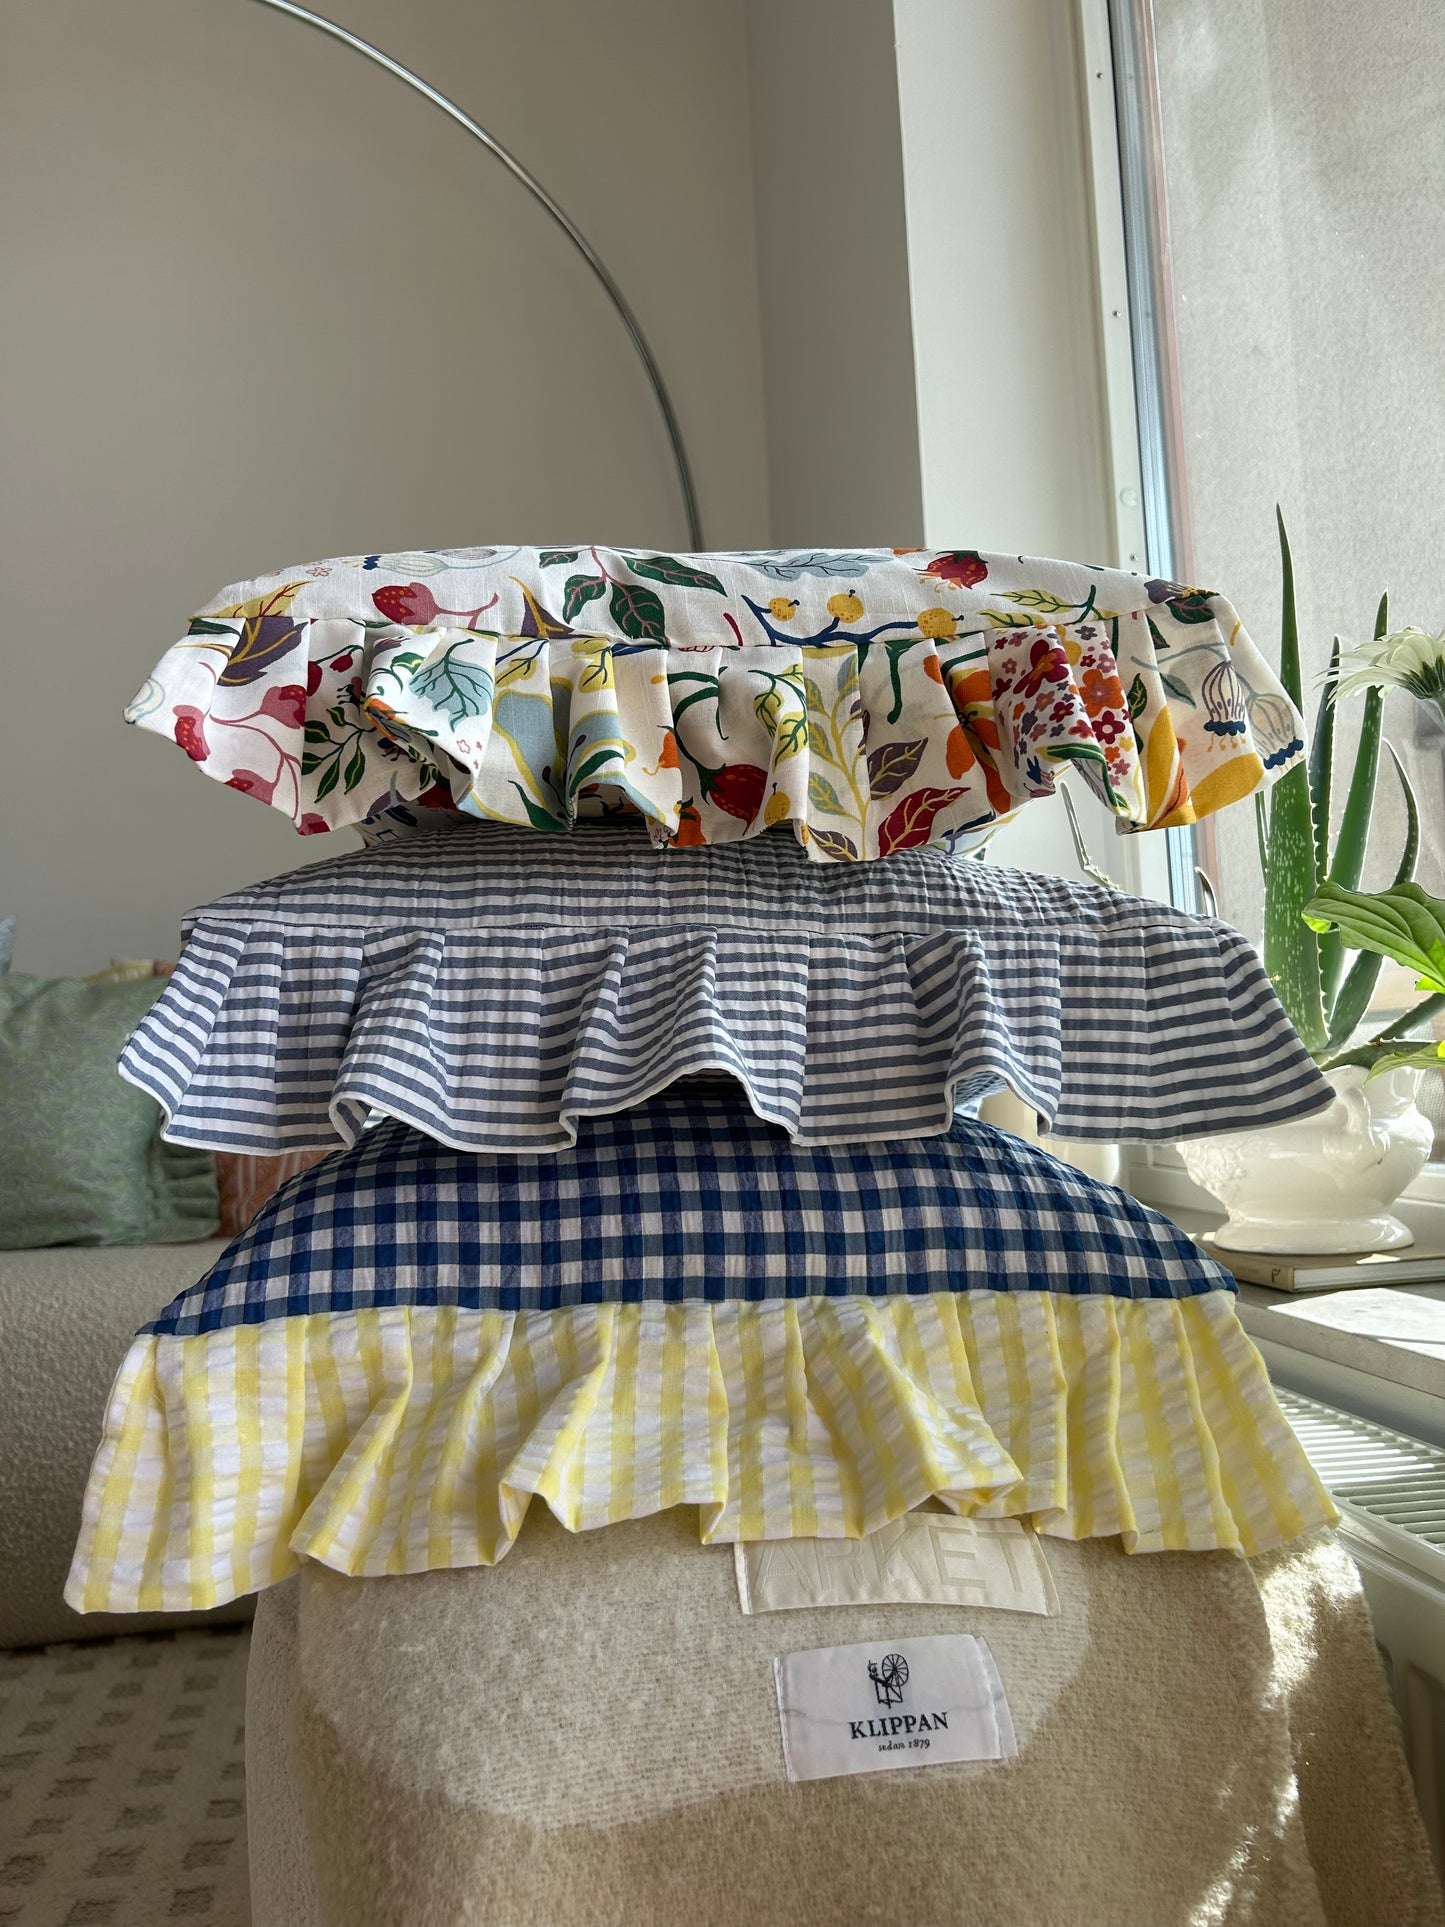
x=924 y=1559
x=904 y=1702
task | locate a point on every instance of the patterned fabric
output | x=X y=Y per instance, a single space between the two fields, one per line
x=689 y=1197
x=405 y=1438
x=246 y=1183
x=681 y=1312
x=876 y=700
x=492 y=988
x=82 y=1161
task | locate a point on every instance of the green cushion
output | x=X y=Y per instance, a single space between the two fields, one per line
x=81 y=1156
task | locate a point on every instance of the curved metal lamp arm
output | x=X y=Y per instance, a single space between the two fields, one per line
x=544 y=200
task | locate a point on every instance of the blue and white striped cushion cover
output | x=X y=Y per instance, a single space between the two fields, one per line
x=492 y=987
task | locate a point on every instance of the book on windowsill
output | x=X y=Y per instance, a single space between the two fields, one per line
x=1417 y=1264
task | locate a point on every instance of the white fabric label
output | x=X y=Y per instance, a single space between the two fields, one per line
x=924 y=1559
x=904 y=1702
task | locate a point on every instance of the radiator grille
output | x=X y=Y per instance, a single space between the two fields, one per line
x=1390 y=1488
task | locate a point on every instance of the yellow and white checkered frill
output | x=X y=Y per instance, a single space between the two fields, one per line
x=405 y=1439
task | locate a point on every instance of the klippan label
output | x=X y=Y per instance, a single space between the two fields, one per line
x=895 y=1703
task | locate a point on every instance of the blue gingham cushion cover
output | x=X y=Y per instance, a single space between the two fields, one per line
x=492 y=988
x=690 y=1197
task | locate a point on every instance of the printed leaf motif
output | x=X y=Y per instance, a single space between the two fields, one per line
x=355 y=769
x=637 y=612
x=909 y=825
x=264 y=640
x=813 y=696
x=275 y=602
x=580 y=590
x=891 y=765
x=539 y=818
x=539 y=624
x=317 y=733
x=1006 y=619
x=823 y=562
x=201 y=626
x=1138 y=698
x=456 y=688
x=550 y=558
x=600 y=759
x=1194 y=605
x=678 y=575
x=841 y=848
x=1178 y=691
x=823 y=797
x=1039 y=599
x=329 y=778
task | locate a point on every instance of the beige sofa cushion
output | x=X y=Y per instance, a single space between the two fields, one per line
x=67 y=1314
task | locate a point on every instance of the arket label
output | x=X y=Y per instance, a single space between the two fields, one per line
x=925 y=1558
x=904 y=1702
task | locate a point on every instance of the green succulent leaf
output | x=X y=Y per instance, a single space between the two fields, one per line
x=1291 y=949
x=1322 y=763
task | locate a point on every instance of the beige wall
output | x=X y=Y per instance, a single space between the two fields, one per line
x=263 y=305
x=842 y=415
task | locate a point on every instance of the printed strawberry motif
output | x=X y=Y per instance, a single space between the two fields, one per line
x=251 y=784
x=189 y=733
x=412 y=605
x=287 y=704
x=312 y=825
x=739 y=789
x=409 y=603
x=966 y=567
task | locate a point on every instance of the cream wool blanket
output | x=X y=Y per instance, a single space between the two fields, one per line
x=587 y=1733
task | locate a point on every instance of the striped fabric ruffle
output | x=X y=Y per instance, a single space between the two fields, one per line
x=492 y=988
x=406 y=1439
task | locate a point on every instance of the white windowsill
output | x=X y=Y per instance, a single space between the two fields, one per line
x=1376 y=1350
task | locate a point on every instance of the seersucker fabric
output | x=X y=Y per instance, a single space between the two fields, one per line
x=492 y=988
x=690 y=1197
x=412 y=1342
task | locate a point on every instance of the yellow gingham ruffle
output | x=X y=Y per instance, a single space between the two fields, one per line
x=407 y=1439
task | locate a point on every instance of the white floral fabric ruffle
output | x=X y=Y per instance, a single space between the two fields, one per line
x=873 y=700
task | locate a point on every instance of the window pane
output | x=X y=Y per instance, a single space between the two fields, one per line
x=1305 y=174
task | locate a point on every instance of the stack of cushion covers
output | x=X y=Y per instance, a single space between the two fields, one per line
x=655 y=1180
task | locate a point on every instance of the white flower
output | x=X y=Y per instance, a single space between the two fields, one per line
x=1409 y=659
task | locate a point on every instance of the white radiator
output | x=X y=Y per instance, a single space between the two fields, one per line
x=1391 y=1492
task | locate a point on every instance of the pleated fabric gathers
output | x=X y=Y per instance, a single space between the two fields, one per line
x=412 y=1342
x=407 y=1439
x=493 y=988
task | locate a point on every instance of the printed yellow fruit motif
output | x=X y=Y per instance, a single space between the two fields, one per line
x=938 y=623
x=781 y=609
x=847 y=608
x=777 y=810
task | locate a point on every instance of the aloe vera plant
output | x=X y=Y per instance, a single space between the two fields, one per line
x=1304 y=952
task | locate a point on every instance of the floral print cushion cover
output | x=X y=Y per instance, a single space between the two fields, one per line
x=875 y=700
